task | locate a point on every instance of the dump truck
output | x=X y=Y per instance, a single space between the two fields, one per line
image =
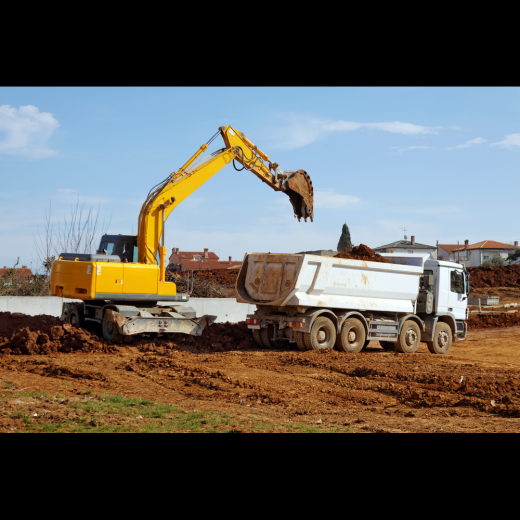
x=321 y=302
x=120 y=286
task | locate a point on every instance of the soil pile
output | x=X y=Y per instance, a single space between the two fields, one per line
x=218 y=283
x=495 y=276
x=362 y=252
x=21 y=334
x=493 y=320
x=222 y=277
x=219 y=337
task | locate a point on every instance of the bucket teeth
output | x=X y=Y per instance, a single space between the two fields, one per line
x=299 y=188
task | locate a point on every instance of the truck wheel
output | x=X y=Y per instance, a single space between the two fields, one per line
x=367 y=342
x=300 y=341
x=409 y=338
x=258 y=338
x=387 y=345
x=442 y=339
x=110 y=331
x=267 y=334
x=352 y=337
x=322 y=334
x=75 y=315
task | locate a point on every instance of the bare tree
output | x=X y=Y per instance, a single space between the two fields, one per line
x=78 y=233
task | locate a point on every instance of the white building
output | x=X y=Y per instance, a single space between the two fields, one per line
x=473 y=255
x=408 y=247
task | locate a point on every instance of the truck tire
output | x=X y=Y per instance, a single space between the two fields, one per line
x=110 y=331
x=300 y=341
x=267 y=334
x=387 y=345
x=322 y=335
x=367 y=342
x=76 y=315
x=442 y=339
x=258 y=338
x=352 y=337
x=409 y=338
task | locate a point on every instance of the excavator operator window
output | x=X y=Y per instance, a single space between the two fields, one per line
x=108 y=247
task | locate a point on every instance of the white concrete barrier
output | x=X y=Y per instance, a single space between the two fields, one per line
x=33 y=305
x=226 y=309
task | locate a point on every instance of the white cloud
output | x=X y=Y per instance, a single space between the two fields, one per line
x=301 y=131
x=28 y=131
x=467 y=144
x=332 y=200
x=407 y=148
x=511 y=141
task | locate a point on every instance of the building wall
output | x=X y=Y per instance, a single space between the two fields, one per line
x=431 y=252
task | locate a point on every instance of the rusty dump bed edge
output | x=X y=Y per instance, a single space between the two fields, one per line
x=318 y=281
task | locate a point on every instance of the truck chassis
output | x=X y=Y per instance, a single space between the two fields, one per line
x=351 y=331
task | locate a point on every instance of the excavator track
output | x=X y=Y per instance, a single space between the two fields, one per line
x=299 y=188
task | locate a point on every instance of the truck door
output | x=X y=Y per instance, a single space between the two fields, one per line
x=457 y=294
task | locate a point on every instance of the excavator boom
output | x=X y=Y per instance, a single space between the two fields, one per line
x=163 y=199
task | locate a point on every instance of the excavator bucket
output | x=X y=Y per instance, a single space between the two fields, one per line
x=298 y=186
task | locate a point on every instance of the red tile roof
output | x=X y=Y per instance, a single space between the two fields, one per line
x=490 y=244
x=450 y=247
x=485 y=244
x=24 y=273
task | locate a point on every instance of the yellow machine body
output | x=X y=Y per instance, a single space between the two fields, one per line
x=107 y=280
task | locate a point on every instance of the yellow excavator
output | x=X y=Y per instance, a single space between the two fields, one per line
x=120 y=286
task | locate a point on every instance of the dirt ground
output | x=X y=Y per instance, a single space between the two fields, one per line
x=228 y=385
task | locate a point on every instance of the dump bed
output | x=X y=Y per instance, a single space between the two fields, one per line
x=319 y=281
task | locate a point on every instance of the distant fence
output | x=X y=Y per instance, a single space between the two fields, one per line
x=226 y=309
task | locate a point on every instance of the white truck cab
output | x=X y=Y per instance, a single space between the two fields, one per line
x=451 y=287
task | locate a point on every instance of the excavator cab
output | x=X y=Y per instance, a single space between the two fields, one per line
x=123 y=246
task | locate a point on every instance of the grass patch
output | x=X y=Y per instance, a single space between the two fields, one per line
x=107 y=413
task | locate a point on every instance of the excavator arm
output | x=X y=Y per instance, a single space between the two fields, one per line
x=179 y=185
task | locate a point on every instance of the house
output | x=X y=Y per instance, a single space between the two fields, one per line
x=195 y=260
x=22 y=272
x=473 y=255
x=409 y=247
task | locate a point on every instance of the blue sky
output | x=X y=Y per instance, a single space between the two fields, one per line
x=441 y=162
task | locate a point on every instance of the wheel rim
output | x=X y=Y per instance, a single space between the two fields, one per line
x=410 y=337
x=353 y=337
x=323 y=336
x=442 y=339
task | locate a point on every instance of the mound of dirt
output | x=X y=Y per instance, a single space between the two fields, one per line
x=362 y=252
x=493 y=320
x=219 y=337
x=21 y=334
x=495 y=276
x=222 y=277
x=218 y=283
